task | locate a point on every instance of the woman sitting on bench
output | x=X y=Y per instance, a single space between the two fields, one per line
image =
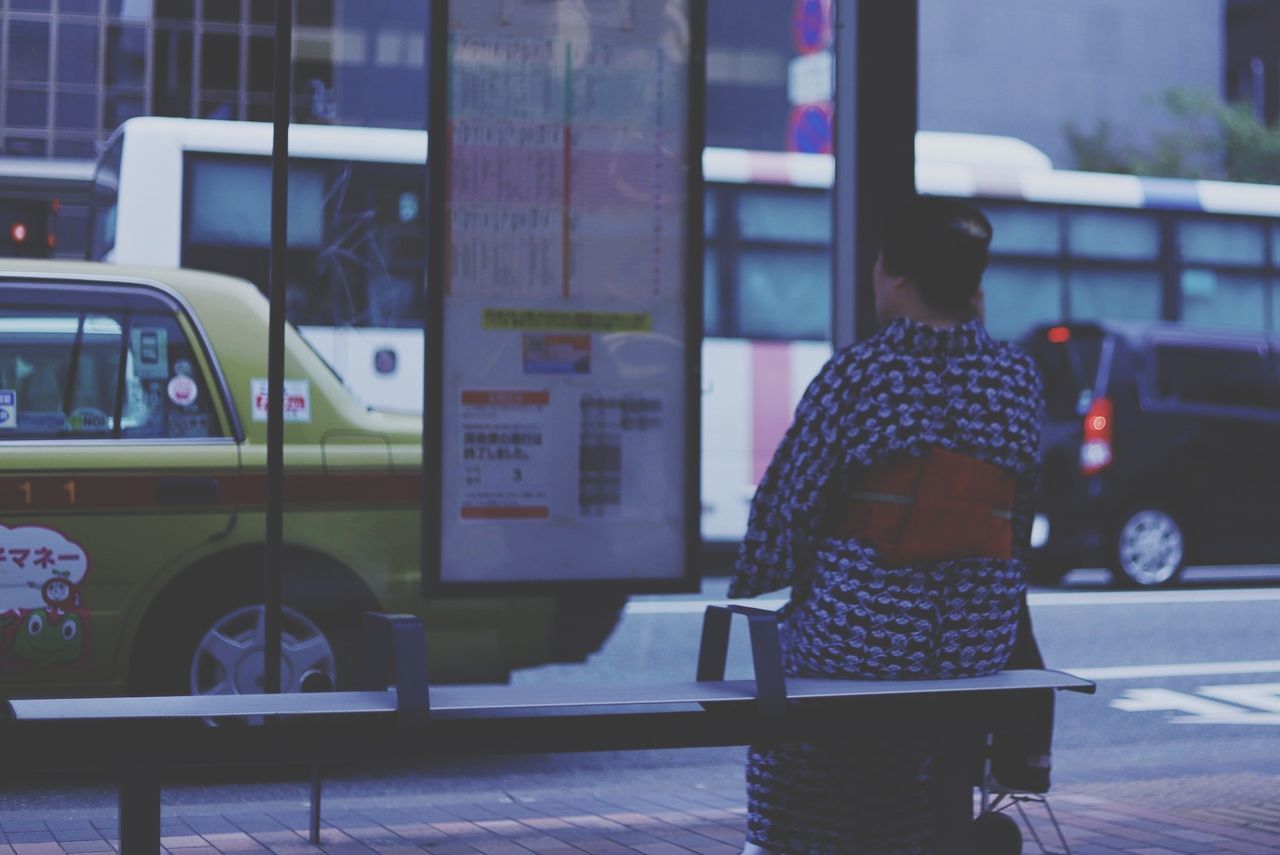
x=897 y=508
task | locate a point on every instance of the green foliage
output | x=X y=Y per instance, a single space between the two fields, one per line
x=1209 y=138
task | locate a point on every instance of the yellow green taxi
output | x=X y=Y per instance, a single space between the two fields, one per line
x=132 y=496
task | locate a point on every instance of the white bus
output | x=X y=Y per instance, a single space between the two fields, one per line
x=1068 y=246
x=197 y=193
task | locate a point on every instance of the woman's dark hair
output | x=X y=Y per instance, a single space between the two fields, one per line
x=941 y=245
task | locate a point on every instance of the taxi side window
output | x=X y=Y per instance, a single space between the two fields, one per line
x=118 y=372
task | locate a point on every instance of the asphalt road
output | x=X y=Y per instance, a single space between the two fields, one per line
x=1189 y=684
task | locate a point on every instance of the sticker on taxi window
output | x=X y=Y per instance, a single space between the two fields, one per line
x=183 y=390
x=43 y=621
x=151 y=353
x=8 y=409
x=297 y=399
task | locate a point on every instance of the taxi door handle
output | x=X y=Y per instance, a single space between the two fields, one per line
x=187 y=491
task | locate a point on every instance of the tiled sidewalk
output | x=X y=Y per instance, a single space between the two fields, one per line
x=1223 y=814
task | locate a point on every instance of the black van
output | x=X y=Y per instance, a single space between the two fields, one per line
x=1161 y=448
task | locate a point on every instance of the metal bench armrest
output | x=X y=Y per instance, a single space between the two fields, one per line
x=766 y=653
x=395 y=654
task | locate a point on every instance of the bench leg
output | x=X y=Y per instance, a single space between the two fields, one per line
x=317 y=786
x=951 y=783
x=139 y=810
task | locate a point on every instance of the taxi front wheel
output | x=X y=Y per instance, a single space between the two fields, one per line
x=207 y=641
x=229 y=657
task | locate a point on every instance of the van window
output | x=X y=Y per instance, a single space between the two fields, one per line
x=1069 y=370
x=1213 y=376
x=78 y=372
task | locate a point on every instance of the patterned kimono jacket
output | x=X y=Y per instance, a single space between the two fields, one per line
x=907 y=389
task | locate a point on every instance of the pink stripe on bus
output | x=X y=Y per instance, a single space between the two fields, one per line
x=770 y=401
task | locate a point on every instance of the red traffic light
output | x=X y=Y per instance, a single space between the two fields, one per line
x=18 y=232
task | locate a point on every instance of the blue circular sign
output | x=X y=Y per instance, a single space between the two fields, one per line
x=811 y=25
x=810 y=130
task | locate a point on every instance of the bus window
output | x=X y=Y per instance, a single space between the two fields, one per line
x=1222 y=241
x=1113 y=234
x=232 y=203
x=1023 y=231
x=710 y=296
x=356 y=236
x=1223 y=298
x=803 y=218
x=1114 y=293
x=784 y=294
x=1019 y=296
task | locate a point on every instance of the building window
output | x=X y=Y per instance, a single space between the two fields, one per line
x=222 y=11
x=314 y=13
x=220 y=62
x=29 y=52
x=79 y=7
x=126 y=56
x=76 y=111
x=28 y=108
x=121 y=107
x=176 y=10
x=73 y=227
x=261 y=67
x=172 y=73
x=18 y=146
x=77 y=53
x=141 y=10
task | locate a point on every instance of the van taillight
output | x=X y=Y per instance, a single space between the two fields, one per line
x=1095 y=449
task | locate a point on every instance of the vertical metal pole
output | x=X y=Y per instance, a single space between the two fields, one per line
x=437 y=272
x=877 y=52
x=275 y=343
x=139 y=808
x=844 y=221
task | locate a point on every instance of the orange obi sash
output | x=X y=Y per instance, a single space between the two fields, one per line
x=936 y=508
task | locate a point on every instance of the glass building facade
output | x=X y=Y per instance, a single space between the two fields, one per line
x=73 y=70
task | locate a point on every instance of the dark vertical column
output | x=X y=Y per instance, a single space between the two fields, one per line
x=275 y=342
x=139 y=809
x=437 y=272
x=695 y=252
x=877 y=79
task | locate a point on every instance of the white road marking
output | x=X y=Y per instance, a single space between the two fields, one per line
x=1252 y=703
x=1167 y=700
x=1178 y=669
x=1133 y=598
x=1038 y=599
x=1263 y=696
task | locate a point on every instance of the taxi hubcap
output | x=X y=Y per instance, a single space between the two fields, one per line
x=1150 y=547
x=229 y=659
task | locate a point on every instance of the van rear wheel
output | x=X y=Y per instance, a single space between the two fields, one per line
x=1150 y=549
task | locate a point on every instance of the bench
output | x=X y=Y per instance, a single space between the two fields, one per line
x=140 y=737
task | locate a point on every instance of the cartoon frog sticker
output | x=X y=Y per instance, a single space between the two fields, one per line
x=41 y=637
x=43 y=619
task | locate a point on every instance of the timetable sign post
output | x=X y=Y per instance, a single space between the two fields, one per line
x=564 y=303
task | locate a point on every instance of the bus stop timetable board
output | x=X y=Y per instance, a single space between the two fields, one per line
x=565 y=300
